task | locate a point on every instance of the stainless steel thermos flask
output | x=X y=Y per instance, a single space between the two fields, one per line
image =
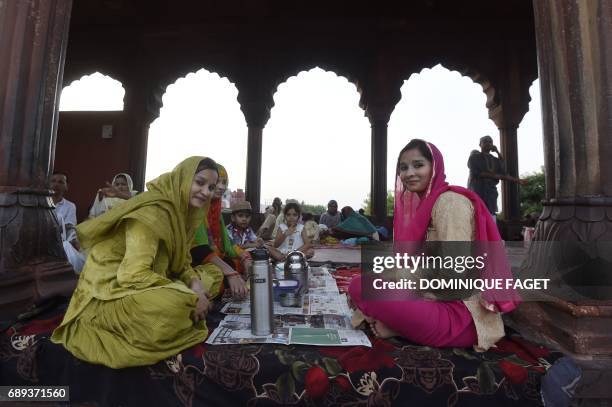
x=262 y=300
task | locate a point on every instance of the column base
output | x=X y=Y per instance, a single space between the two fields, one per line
x=577 y=329
x=571 y=245
x=33 y=265
x=33 y=283
x=581 y=332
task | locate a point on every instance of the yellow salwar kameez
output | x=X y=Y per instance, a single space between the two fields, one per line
x=133 y=305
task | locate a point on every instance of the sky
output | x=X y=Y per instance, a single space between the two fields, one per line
x=316 y=145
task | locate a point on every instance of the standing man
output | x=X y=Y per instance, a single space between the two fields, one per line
x=486 y=171
x=66 y=214
x=331 y=218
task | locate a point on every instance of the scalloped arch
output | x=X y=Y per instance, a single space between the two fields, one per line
x=91 y=100
x=171 y=76
x=478 y=76
x=294 y=71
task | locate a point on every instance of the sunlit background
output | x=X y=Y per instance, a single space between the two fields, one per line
x=316 y=145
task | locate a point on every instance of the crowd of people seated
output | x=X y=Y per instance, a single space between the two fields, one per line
x=150 y=263
x=228 y=249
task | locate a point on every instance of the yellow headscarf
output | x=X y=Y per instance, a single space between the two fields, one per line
x=164 y=208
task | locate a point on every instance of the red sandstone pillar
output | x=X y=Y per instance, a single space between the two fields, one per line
x=33 y=40
x=574 y=40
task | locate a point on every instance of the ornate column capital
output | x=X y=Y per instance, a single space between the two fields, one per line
x=378 y=102
x=256 y=98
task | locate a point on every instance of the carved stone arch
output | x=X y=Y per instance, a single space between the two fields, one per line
x=478 y=75
x=159 y=85
x=288 y=72
x=80 y=74
x=337 y=69
x=170 y=76
x=74 y=72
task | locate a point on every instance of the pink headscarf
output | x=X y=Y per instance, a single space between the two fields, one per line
x=412 y=216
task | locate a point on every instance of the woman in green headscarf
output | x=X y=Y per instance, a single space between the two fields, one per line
x=138 y=300
x=213 y=247
x=354 y=224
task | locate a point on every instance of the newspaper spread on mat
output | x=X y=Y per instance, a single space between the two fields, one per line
x=324 y=319
x=312 y=304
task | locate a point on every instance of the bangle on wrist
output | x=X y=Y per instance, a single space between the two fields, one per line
x=235 y=273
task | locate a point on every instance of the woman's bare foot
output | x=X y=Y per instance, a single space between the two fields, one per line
x=381 y=330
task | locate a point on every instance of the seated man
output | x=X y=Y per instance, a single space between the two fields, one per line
x=239 y=230
x=66 y=215
x=331 y=218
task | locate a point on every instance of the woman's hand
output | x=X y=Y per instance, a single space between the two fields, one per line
x=109 y=190
x=203 y=305
x=237 y=287
x=112 y=192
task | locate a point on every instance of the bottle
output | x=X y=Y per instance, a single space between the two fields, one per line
x=262 y=301
x=296 y=268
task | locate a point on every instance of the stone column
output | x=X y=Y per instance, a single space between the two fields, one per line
x=33 y=40
x=510 y=106
x=380 y=92
x=574 y=41
x=143 y=101
x=253 y=175
x=255 y=104
x=378 y=180
x=510 y=190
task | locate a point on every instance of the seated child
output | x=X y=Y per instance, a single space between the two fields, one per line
x=239 y=231
x=291 y=235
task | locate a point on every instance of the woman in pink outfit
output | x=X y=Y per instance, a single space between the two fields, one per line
x=427 y=208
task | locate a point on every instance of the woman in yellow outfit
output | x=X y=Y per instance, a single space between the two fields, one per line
x=138 y=300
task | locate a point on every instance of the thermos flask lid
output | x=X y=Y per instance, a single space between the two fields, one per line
x=295 y=259
x=260 y=254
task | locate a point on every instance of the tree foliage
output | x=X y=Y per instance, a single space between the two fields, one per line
x=367 y=204
x=314 y=209
x=532 y=194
